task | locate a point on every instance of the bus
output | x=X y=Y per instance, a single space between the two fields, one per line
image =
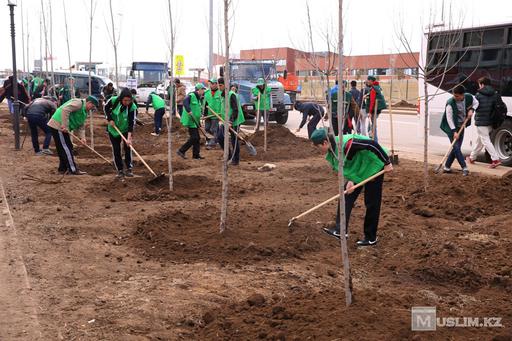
x=149 y=76
x=461 y=57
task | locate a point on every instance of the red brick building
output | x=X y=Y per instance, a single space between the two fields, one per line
x=307 y=64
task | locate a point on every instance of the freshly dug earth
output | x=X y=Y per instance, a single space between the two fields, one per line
x=112 y=260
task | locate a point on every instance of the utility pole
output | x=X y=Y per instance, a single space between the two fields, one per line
x=16 y=105
x=210 y=43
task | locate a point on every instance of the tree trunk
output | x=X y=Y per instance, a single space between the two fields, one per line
x=224 y=208
x=425 y=139
x=91 y=118
x=51 y=42
x=171 y=96
x=341 y=112
x=45 y=30
x=114 y=44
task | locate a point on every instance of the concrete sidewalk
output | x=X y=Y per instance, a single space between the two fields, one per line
x=434 y=160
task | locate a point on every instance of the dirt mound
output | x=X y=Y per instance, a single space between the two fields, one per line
x=190 y=236
x=282 y=144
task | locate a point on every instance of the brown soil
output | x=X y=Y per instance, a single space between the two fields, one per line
x=112 y=260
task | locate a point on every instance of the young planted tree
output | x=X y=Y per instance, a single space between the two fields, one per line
x=45 y=31
x=114 y=40
x=172 y=95
x=67 y=35
x=224 y=208
x=341 y=179
x=435 y=67
x=51 y=43
x=92 y=10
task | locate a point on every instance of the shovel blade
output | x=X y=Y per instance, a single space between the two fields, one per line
x=157 y=180
x=250 y=149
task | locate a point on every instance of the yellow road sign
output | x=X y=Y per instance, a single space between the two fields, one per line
x=179 y=65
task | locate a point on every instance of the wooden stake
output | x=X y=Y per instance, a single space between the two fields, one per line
x=391 y=121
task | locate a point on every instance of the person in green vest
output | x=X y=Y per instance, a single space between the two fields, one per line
x=68 y=91
x=363 y=158
x=68 y=117
x=212 y=100
x=460 y=106
x=121 y=112
x=262 y=99
x=158 y=104
x=34 y=83
x=350 y=110
x=235 y=117
x=191 y=118
x=375 y=102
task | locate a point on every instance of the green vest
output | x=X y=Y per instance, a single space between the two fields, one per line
x=241 y=118
x=157 y=101
x=120 y=118
x=76 y=118
x=36 y=82
x=214 y=102
x=195 y=108
x=264 y=98
x=363 y=165
x=468 y=103
x=381 y=101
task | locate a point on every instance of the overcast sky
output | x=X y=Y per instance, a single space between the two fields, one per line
x=370 y=26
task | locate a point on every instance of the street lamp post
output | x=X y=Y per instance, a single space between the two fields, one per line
x=14 y=84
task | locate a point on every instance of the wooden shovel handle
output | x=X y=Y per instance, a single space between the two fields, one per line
x=94 y=151
x=455 y=140
x=136 y=153
x=362 y=183
x=231 y=129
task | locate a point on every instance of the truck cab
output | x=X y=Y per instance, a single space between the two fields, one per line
x=246 y=74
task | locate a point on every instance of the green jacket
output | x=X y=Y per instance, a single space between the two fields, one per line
x=468 y=103
x=334 y=103
x=196 y=107
x=381 y=101
x=363 y=165
x=157 y=101
x=241 y=118
x=265 y=102
x=76 y=118
x=213 y=102
x=120 y=118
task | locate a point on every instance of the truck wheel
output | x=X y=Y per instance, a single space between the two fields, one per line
x=282 y=118
x=502 y=139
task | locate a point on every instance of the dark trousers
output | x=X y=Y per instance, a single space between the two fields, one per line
x=39 y=121
x=193 y=141
x=456 y=152
x=159 y=113
x=374 y=125
x=335 y=125
x=64 y=150
x=212 y=127
x=116 y=151
x=313 y=123
x=234 y=151
x=180 y=109
x=372 y=201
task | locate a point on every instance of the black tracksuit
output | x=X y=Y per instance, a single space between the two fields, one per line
x=310 y=109
x=372 y=190
x=116 y=141
x=234 y=153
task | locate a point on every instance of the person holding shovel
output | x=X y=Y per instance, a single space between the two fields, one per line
x=38 y=113
x=235 y=117
x=158 y=104
x=121 y=113
x=363 y=158
x=212 y=100
x=459 y=109
x=191 y=117
x=311 y=113
x=261 y=96
x=68 y=117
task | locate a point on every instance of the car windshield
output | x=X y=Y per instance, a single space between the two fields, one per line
x=253 y=71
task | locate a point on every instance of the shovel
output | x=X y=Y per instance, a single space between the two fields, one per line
x=438 y=168
x=199 y=127
x=92 y=150
x=156 y=178
x=290 y=222
x=248 y=145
